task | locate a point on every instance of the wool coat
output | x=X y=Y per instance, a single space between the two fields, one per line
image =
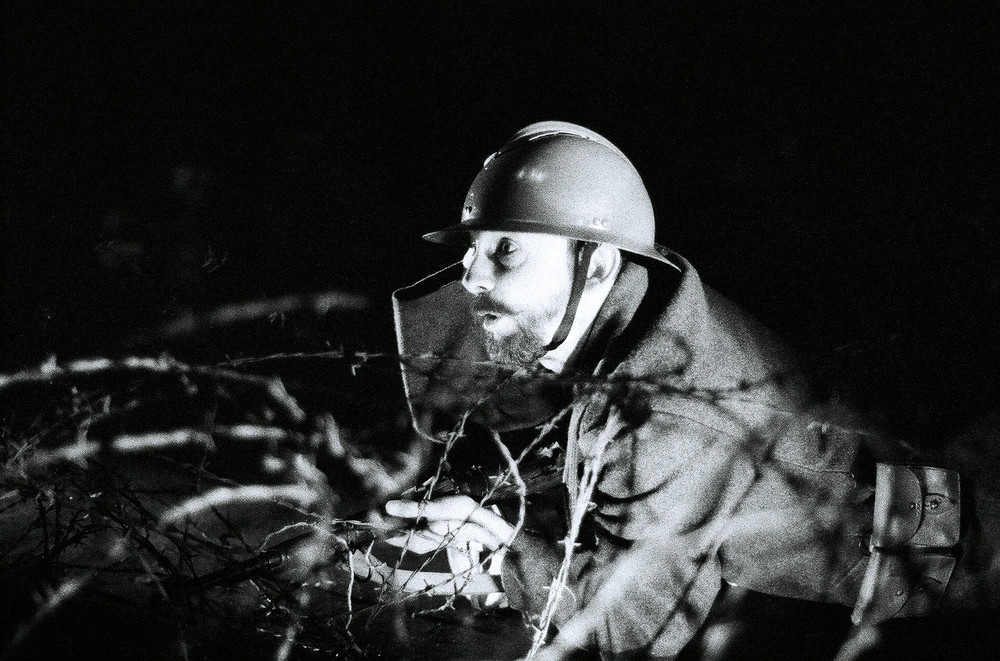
x=714 y=460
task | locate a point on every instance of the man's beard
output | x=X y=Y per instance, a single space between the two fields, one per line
x=526 y=343
x=520 y=348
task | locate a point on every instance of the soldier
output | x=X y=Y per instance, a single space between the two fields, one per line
x=695 y=445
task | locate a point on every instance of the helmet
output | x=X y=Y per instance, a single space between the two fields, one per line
x=563 y=179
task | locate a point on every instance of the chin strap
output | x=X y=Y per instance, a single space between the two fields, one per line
x=584 y=251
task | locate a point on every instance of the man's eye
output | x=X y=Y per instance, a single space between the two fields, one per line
x=505 y=248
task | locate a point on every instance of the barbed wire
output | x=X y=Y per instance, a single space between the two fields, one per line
x=289 y=438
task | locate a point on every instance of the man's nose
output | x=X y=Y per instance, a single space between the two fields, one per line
x=479 y=277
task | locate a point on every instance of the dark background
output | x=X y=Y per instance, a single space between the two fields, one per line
x=834 y=170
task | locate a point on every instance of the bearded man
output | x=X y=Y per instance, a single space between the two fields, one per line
x=696 y=452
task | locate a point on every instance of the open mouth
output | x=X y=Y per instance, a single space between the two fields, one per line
x=487 y=319
x=488 y=313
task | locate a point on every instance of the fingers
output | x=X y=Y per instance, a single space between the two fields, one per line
x=463 y=534
x=446 y=533
x=456 y=518
x=417 y=542
x=465 y=560
x=450 y=507
x=403 y=509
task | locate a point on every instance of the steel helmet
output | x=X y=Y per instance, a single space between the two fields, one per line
x=563 y=179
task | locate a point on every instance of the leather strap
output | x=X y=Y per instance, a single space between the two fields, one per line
x=584 y=251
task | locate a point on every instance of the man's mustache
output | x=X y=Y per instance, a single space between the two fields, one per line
x=484 y=305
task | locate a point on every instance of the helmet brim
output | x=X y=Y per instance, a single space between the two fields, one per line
x=458 y=234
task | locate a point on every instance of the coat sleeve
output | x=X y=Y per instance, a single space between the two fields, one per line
x=667 y=486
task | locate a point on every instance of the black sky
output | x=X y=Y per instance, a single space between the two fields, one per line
x=832 y=169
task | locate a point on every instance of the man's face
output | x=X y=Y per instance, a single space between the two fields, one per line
x=521 y=283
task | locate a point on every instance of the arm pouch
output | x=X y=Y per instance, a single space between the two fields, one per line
x=914 y=543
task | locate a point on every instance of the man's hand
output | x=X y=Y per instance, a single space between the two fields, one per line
x=454 y=521
x=463 y=528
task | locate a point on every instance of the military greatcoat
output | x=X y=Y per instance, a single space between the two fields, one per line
x=715 y=460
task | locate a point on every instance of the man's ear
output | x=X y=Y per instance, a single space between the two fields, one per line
x=604 y=263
